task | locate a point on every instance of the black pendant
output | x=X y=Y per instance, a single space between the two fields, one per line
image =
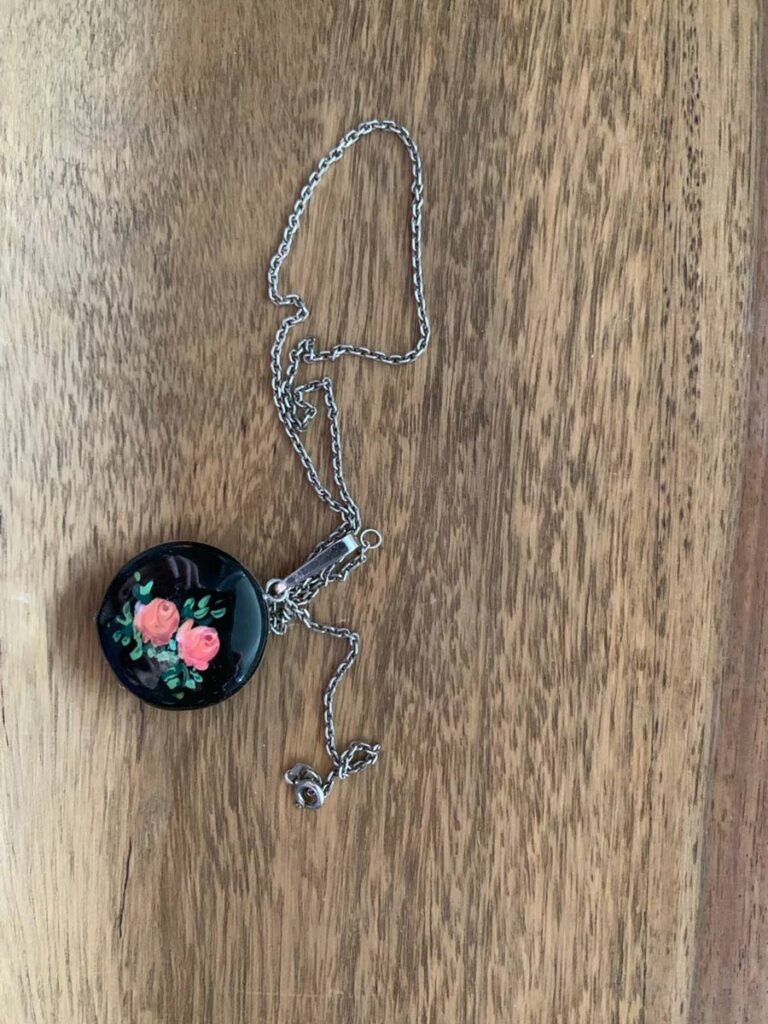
x=183 y=625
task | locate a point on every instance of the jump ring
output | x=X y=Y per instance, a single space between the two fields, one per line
x=308 y=795
x=375 y=539
x=278 y=596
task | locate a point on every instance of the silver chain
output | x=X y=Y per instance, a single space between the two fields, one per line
x=347 y=546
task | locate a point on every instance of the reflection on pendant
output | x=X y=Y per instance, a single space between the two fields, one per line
x=183 y=625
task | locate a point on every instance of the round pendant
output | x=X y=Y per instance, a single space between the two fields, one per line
x=183 y=625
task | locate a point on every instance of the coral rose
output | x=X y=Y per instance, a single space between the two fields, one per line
x=156 y=621
x=198 y=645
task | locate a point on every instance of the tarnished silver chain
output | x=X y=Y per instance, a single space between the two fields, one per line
x=347 y=546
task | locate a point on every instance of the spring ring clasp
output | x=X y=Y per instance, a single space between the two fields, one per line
x=308 y=790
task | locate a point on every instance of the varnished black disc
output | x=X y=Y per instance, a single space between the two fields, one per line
x=183 y=625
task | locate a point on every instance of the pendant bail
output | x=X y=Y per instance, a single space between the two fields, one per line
x=278 y=589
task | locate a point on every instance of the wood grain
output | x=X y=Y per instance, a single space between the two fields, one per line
x=563 y=665
x=733 y=922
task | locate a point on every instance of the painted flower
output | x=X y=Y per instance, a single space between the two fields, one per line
x=198 y=645
x=156 y=621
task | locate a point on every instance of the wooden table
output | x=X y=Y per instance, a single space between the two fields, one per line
x=563 y=646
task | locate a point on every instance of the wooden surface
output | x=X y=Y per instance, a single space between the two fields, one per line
x=564 y=655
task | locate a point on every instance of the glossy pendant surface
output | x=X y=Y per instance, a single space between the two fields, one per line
x=183 y=625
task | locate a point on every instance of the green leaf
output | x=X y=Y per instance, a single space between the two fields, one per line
x=127 y=611
x=126 y=641
x=179 y=696
x=137 y=577
x=117 y=635
x=137 y=652
x=187 y=608
x=201 y=613
x=172 y=645
x=204 y=601
x=146 y=589
x=218 y=613
x=171 y=677
x=190 y=684
x=196 y=675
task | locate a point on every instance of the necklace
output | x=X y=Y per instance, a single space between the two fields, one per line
x=183 y=624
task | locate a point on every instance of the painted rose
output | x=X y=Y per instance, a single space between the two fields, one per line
x=198 y=645
x=156 y=621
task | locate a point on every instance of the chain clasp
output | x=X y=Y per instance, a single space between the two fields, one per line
x=308 y=789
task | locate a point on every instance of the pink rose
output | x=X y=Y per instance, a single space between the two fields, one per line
x=156 y=621
x=198 y=645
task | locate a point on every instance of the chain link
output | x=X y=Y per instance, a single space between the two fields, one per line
x=296 y=411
